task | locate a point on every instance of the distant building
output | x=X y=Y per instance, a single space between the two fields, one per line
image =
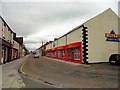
x=24 y=51
x=93 y=41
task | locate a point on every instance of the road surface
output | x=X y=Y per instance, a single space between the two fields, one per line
x=63 y=75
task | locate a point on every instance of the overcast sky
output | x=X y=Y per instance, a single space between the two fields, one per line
x=39 y=21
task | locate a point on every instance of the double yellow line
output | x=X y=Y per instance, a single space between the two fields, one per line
x=21 y=69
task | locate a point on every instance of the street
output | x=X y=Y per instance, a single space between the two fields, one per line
x=72 y=44
x=64 y=75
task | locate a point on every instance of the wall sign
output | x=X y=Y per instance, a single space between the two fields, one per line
x=112 y=37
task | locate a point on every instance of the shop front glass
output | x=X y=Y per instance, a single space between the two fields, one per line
x=73 y=53
x=69 y=53
x=63 y=54
x=48 y=54
x=77 y=54
x=53 y=54
x=59 y=54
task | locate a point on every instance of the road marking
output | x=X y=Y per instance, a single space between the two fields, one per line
x=21 y=69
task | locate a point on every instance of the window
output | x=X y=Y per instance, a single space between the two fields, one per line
x=59 y=54
x=69 y=53
x=77 y=54
x=63 y=54
x=2 y=51
x=53 y=54
x=3 y=34
x=4 y=30
x=53 y=44
x=73 y=53
x=48 y=54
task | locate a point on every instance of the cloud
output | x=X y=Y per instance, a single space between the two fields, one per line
x=33 y=46
x=44 y=21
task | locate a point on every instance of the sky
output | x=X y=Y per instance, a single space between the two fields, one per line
x=40 y=21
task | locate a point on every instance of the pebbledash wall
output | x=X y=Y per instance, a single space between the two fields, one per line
x=93 y=41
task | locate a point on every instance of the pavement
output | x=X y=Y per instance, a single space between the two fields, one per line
x=67 y=62
x=10 y=75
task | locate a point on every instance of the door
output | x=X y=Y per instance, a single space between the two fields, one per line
x=9 y=53
x=3 y=55
x=2 y=58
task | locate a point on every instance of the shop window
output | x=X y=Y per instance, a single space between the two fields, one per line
x=48 y=54
x=77 y=54
x=59 y=54
x=73 y=53
x=63 y=54
x=53 y=54
x=69 y=53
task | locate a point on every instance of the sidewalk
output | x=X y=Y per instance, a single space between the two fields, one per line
x=70 y=63
x=10 y=75
x=12 y=79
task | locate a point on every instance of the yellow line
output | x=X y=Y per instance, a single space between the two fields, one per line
x=21 y=69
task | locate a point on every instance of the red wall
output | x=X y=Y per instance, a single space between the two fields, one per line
x=70 y=46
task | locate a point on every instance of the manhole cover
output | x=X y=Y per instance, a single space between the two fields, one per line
x=11 y=75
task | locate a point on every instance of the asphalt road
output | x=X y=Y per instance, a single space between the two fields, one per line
x=34 y=83
x=43 y=71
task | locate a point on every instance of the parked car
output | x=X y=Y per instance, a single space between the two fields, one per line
x=114 y=59
x=36 y=55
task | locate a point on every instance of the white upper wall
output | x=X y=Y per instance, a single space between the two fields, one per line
x=62 y=41
x=75 y=36
x=55 y=44
x=98 y=48
x=49 y=46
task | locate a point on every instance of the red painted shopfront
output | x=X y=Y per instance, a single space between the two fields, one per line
x=74 y=52
x=70 y=53
x=48 y=53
